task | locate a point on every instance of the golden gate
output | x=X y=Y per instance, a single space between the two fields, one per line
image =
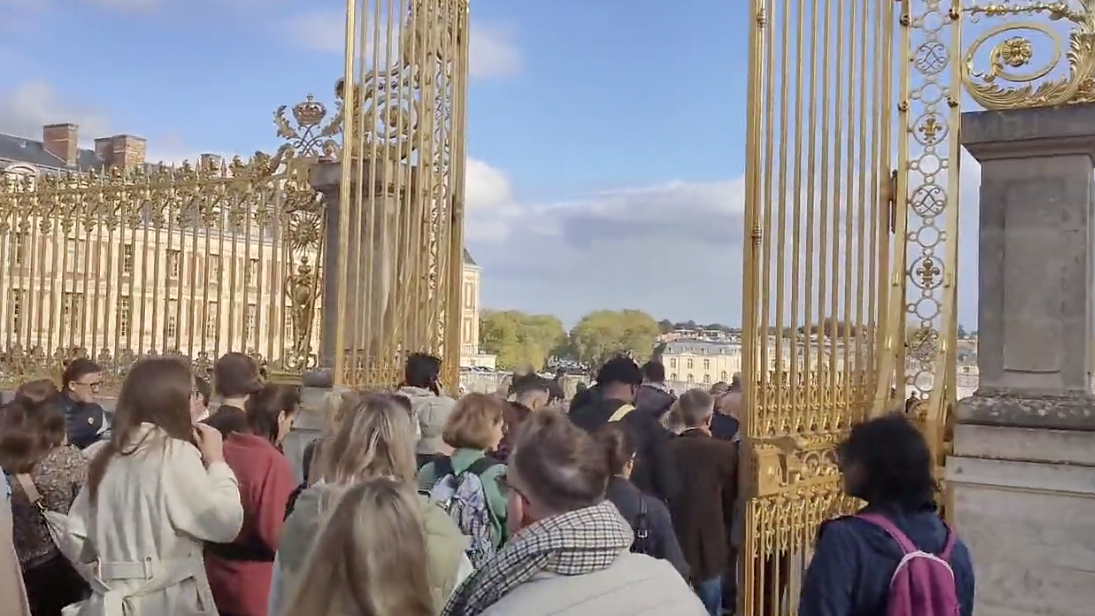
x=852 y=225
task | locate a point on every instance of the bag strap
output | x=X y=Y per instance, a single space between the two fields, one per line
x=891 y=529
x=481 y=466
x=442 y=467
x=29 y=489
x=621 y=413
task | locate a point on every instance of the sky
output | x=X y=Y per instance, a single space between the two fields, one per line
x=606 y=139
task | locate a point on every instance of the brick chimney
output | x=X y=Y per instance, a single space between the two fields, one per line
x=123 y=151
x=60 y=140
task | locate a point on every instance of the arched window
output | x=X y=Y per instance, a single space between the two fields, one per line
x=707 y=379
x=690 y=378
x=673 y=376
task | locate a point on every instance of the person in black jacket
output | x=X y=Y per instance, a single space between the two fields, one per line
x=653 y=396
x=648 y=516
x=618 y=380
x=86 y=422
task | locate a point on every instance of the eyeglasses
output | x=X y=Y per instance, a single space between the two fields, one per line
x=93 y=386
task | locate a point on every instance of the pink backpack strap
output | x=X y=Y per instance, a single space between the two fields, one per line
x=891 y=529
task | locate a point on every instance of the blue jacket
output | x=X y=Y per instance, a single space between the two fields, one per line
x=854 y=561
x=85 y=423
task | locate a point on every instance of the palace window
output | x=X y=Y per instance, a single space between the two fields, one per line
x=171 y=325
x=127 y=259
x=252 y=272
x=469 y=296
x=707 y=364
x=690 y=366
x=123 y=316
x=691 y=379
x=249 y=321
x=18 y=248
x=673 y=363
x=214 y=265
x=673 y=376
x=212 y=320
x=72 y=311
x=15 y=297
x=174 y=264
x=722 y=376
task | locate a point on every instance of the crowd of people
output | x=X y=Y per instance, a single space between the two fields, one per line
x=623 y=501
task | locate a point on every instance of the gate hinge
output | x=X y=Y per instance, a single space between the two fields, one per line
x=891 y=199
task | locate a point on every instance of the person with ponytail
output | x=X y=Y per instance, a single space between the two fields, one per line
x=648 y=516
x=44 y=471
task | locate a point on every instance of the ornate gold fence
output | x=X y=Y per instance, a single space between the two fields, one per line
x=402 y=192
x=192 y=260
x=817 y=270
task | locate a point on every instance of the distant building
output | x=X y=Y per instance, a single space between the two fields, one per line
x=470 y=356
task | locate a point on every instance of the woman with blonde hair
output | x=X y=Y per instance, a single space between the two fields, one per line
x=376 y=440
x=372 y=532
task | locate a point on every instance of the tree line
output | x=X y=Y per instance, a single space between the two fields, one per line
x=523 y=340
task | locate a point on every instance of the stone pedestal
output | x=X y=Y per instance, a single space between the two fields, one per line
x=1023 y=469
x=373 y=241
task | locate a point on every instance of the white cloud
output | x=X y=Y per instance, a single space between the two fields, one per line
x=494 y=51
x=24 y=110
x=674 y=249
x=27 y=108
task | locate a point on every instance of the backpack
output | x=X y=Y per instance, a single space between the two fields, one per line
x=463 y=497
x=643 y=544
x=923 y=584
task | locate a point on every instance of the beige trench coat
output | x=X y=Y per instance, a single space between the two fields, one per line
x=14 y=595
x=143 y=535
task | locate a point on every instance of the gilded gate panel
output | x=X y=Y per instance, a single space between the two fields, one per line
x=817 y=270
x=402 y=187
x=192 y=260
x=924 y=300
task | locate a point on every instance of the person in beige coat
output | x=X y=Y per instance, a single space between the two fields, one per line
x=14 y=601
x=154 y=495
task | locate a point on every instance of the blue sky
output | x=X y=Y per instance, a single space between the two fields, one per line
x=607 y=137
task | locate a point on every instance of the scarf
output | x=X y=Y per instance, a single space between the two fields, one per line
x=575 y=543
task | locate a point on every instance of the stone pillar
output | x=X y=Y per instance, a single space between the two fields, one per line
x=368 y=311
x=1023 y=467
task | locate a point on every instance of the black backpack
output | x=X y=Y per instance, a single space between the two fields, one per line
x=643 y=544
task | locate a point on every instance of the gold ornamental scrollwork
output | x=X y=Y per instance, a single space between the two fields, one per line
x=1009 y=60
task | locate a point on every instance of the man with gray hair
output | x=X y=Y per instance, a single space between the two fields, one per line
x=702 y=522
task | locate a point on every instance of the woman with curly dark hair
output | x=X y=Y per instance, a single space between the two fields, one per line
x=887 y=463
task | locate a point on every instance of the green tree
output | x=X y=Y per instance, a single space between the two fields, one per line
x=665 y=326
x=520 y=340
x=600 y=335
x=962 y=333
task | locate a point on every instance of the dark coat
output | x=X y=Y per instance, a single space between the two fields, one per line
x=85 y=422
x=663 y=540
x=703 y=511
x=655 y=472
x=655 y=401
x=854 y=560
x=724 y=427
